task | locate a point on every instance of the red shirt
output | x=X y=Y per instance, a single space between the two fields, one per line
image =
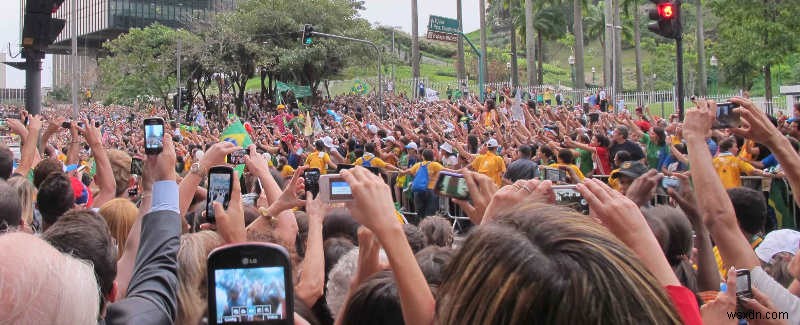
x=602 y=154
x=686 y=304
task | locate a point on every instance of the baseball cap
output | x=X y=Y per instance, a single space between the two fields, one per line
x=492 y=143
x=778 y=241
x=412 y=145
x=446 y=147
x=632 y=169
x=643 y=125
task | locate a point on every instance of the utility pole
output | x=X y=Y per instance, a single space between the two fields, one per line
x=460 y=68
x=74 y=27
x=178 y=79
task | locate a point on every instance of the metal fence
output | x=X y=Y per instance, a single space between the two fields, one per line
x=12 y=96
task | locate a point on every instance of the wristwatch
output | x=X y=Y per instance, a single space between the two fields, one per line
x=195 y=169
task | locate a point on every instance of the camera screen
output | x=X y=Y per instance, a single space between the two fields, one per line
x=571 y=198
x=340 y=190
x=237 y=157
x=555 y=175
x=218 y=190
x=250 y=294
x=154 y=136
x=742 y=283
x=726 y=116
x=453 y=186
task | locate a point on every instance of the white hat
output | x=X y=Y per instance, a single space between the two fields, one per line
x=372 y=128
x=412 y=145
x=389 y=138
x=328 y=142
x=446 y=147
x=492 y=143
x=778 y=241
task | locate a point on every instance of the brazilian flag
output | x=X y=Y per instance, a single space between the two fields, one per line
x=360 y=87
x=782 y=202
x=235 y=133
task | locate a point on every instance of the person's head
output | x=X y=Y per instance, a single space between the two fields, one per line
x=44 y=168
x=84 y=234
x=525 y=151
x=628 y=172
x=437 y=231
x=120 y=215
x=55 y=197
x=319 y=145
x=620 y=134
x=728 y=145
x=6 y=162
x=565 y=156
x=339 y=223
x=121 y=167
x=530 y=265
x=751 y=209
x=659 y=135
x=27 y=197
x=621 y=157
x=601 y=140
x=674 y=233
x=370 y=148
x=427 y=155
x=415 y=237
x=376 y=301
x=10 y=208
x=334 y=248
x=339 y=279
x=192 y=275
x=546 y=154
x=57 y=288
x=433 y=260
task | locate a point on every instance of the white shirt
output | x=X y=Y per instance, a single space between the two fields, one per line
x=602 y=94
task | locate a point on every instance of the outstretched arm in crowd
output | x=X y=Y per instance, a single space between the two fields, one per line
x=104 y=176
x=759 y=128
x=214 y=156
x=311 y=284
x=73 y=156
x=29 y=146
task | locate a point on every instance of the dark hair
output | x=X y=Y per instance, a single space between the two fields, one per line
x=602 y=140
x=415 y=237
x=376 y=301
x=334 y=248
x=547 y=152
x=11 y=215
x=302 y=233
x=526 y=151
x=427 y=154
x=566 y=157
x=369 y=147
x=339 y=223
x=433 y=260
x=472 y=144
x=6 y=162
x=623 y=156
x=55 y=197
x=319 y=145
x=44 y=168
x=623 y=130
x=750 y=207
x=85 y=235
x=726 y=144
x=674 y=234
x=661 y=135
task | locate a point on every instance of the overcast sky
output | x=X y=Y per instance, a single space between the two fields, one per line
x=383 y=12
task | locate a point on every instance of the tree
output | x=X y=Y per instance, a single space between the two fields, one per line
x=755 y=35
x=577 y=29
x=414 y=40
x=701 y=49
x=484 y=27
x=530 y=48
x=141 y=63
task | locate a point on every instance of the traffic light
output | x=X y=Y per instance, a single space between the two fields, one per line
x=39 y=28
x=308 y=31
x=666 y=18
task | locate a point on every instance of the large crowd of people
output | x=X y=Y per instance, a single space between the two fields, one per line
x=86 y=237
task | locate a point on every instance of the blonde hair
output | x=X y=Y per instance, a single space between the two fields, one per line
x=40 y=285
x=120 y=214
x=27 y=196
x=121 y=167
x=550 y=265
x=192 y=275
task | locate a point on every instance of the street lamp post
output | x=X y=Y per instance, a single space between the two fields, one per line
x=714 y=65
x=593 y=71
x=571 y=61
x=508 y=68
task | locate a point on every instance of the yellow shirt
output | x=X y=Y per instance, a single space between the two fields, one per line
x=433 y=171
x=729 y=168
x=288 y=171
x=571 y=166
x=374 y=162
x=490 y=165
x=319 y=160
x=721 y=264
x=613 y=182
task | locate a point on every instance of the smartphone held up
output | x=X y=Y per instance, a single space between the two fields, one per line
x=153 y=135
x=727 y=117
x=220 y=186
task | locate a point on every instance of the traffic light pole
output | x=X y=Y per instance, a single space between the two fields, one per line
x=381 y=107
x=679 y=79
x=33 y=81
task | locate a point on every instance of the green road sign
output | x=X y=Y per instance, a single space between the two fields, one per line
x=443 y=24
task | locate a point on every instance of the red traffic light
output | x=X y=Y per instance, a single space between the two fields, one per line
x=666 y=10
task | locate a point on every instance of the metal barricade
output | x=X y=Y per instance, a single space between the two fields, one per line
x=452 y=212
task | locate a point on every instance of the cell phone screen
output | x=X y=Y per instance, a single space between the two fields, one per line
x=555 y=175
x=250 y=294
x=311 y=179
x=340 y=190
x=742 y=282
x=219 y=190
x=237 y=157
x=154 y=136
x=727 y=117
x=136 y=166
x=570 y=197
x=452 y=185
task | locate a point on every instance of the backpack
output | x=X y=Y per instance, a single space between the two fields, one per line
x=420 y=183
x=367 y=162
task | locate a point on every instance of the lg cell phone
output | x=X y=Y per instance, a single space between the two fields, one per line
x=334 y=189
x=237 y=157
x=153 y=135
x=137 y=166
x=311 y=179
x=555 y=175
x=250 y=283
x=568 y=195
x=220 y=185
x=452 y=185
x=727 y=118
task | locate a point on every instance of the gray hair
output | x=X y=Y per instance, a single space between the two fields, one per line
x=340 y=278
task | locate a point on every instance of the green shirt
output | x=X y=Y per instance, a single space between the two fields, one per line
x=584 y=161
x=651 y=151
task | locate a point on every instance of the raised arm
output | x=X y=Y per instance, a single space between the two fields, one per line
x=104 y=176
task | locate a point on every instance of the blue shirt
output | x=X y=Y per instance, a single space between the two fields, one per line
x=165 y=196
x=769 y=161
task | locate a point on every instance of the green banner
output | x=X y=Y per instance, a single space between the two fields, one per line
x=299 y=91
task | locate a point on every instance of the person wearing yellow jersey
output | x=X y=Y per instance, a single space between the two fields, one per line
x=369 y=159
x=565 y=159
x=729 y=167
x=425 y=174
x=320 y=159
x=284 y=168
x=489 y=163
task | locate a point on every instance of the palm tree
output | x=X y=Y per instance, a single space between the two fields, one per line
x=701 y=50
x=549 y=23
x=577 y=15
x=530 y=49
x=414 y=40
x=510 y=11
x=484 y=61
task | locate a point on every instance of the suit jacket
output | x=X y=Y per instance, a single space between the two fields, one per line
x=152 y=292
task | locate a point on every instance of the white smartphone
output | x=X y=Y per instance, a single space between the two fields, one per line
x=334 y=189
